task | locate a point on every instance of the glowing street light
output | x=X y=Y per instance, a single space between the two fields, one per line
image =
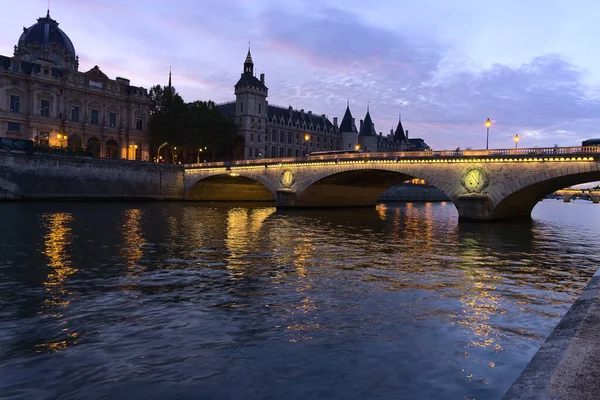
x=357 y=147
x=488 y=123
x=306 y=139
x=516 y=139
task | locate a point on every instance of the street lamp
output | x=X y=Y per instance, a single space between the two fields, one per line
x=61 y=139
x=488 y=123
x=357 y=147
x=306 y=139
x=158 y=157
x=516 y=139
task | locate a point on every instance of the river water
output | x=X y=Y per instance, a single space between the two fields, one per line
x=186 y=301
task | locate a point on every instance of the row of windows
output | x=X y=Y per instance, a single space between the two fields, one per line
x=294 y=139
x=94 y=114
x=281 y=151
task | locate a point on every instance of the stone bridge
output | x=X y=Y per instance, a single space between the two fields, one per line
x=569 y=193
x=483 y=184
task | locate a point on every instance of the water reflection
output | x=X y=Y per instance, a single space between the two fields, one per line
x=57 y=243
x=398 y=301
x=133 y=240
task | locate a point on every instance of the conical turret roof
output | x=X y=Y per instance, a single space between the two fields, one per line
x=347 y=125
x=367 y=128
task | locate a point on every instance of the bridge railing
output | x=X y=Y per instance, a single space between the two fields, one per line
x=538 y=151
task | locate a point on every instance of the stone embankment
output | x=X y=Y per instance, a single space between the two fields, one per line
x=39 y=176
x=54 y=176
x=567 y=366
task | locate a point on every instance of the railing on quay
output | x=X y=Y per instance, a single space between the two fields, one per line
x=523 y=152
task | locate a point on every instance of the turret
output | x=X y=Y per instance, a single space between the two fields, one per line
x=348 y=130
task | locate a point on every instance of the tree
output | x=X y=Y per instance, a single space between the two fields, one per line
x=194 y=131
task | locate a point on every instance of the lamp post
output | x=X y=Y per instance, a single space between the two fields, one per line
x=198 y=158
x=306 y=139
x=133 y=149
x=158 y=151
x=488 y=123
x=516 y=139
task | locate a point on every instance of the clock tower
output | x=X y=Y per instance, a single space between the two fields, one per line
x=251 y=110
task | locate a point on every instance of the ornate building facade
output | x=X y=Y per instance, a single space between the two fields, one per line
x=45 y=98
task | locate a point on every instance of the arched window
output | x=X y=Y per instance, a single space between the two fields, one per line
x=112 y=149
x=93 y=146
x=74 y=142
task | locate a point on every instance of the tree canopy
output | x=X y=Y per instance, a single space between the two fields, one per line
x=195 y=131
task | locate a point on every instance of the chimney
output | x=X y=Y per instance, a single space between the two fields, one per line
x=335 y=121
x=262 y=78
x=407 y=134
x=392 y=132
x=309 y=114
x=361 y=122
x=353 y=122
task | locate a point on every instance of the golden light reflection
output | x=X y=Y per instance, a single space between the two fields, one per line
x=243 y=227
x=381 y=210
x=302 y=319
x=133 y=239
x=57 y=242
x=480 y=303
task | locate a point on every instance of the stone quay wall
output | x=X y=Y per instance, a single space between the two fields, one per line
x=567 y=366
x=55 y=176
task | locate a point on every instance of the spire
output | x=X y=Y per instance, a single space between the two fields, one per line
x=169 y=77
x=367 y=129
x=248 y=64
x=347 y=125
x=399 y=133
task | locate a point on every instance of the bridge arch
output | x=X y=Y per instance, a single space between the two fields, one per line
x=520 y=202
x=357 y=185
x=226 y=186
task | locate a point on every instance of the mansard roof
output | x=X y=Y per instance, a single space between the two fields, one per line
x=347 y=125
x=367 y=128
x=300 y=116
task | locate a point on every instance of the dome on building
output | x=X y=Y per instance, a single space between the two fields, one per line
x=47 y=41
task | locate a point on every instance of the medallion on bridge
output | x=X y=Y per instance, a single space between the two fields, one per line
x=287 y=179
x=475 y=180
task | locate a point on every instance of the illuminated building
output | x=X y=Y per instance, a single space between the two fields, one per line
x=44 y=97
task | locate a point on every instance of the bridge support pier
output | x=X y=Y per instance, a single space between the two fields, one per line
x=285 y=198
x=566 y=198
x=474 y=208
